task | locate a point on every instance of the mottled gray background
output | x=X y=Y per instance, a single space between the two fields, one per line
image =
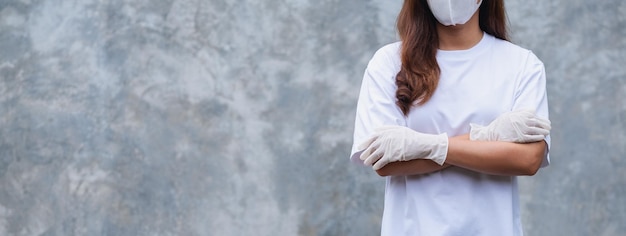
x=226 y=117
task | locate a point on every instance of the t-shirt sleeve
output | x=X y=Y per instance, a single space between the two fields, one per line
x=531 y=93
x=376 y=106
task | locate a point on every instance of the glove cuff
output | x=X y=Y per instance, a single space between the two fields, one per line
x=440 y=153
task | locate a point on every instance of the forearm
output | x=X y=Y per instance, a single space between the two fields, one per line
x=415 y=167
x=496 y=158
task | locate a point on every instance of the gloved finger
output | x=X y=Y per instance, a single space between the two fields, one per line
x=516 y=113
x=531 y=138
x=537 y=131
x=374 y=157
x=370 y=150
x=382 y=162
x=363 y=145
x=367 y=152
x=539 y=122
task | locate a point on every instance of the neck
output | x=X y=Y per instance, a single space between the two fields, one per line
x=460 y=37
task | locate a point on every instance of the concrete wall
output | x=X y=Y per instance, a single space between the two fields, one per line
x=225 y=117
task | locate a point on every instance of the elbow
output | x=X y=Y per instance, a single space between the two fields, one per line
x=533 y=159
x=532 y=164
x=531 y=170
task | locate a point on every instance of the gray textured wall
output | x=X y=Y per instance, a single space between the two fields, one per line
x=225 y=117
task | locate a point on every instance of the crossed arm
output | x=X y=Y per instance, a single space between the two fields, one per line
x=496 y=158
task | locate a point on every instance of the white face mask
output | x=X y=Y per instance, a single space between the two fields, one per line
x=453 y=12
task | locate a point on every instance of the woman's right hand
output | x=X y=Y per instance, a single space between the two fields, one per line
x=520 y=126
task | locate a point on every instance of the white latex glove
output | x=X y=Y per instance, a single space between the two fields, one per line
x=398 y=143
x=520 y=126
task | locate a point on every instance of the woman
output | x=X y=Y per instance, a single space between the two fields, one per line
x=442 y=115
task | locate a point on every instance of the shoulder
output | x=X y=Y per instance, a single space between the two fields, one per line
x=515 y=53
x=390 y=49
x=387 y=57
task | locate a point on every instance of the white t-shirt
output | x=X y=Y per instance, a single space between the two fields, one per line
x=476 y=86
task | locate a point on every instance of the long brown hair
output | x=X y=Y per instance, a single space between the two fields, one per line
x=417 y=27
